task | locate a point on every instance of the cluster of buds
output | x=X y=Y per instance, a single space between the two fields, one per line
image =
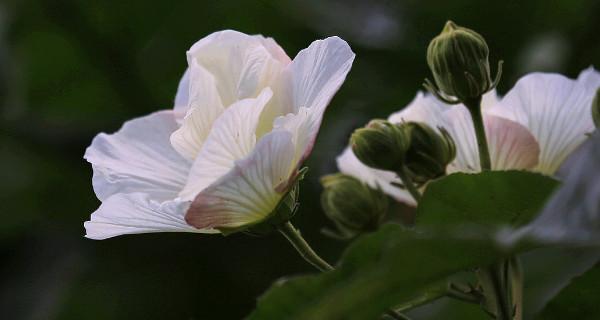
x=411 y=147
x=458 y=59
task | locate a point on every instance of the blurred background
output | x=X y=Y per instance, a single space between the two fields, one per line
x=71 y=69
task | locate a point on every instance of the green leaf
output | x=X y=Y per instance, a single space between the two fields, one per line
x=395 y=265
x=377 y=272
x=491 y=198
x=579 y=300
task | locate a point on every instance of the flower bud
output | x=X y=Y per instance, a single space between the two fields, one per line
x=596 y=109
x=353 y=206
x=380 y=145
x=458 y=59
x=429 y=152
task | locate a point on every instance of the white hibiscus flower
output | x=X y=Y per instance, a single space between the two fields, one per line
x=245 y=118
x=535 y=127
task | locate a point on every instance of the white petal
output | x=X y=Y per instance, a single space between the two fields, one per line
x=251 y=190
x=136 y=213
x=138 y=158
x=318 y=72
x=304 y=127
x=556 y=110
x=204 y=108
x=182 y=95
x=590 y=79
x=232 y=138
x=241 y=64
x=349 y=164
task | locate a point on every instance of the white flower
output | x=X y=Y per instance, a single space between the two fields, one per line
x=245 y=118
x=535 y=127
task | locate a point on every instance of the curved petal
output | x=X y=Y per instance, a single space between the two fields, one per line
x=204 y=108
x=318 y=72
x=304 y=127
x=232 y=138
x=248 y=193
x=182 y=95
x=511 y=145
x=242 y=64
x=555 y=109
x=133 y=213
x=138 y=158
x=349 y=164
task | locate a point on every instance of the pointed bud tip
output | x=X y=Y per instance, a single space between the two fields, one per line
x=449 y=26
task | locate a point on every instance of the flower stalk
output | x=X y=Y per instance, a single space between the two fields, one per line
x=474 y=107
x=306 y=252
x=409 y=184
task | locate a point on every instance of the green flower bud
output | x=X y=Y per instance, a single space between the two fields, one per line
x=596 y=109
x=429 y=152
x=353 y=206
x=380 y=145
x=458 y=59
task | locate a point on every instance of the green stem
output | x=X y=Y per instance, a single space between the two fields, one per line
x=493 y=281
x=429 y=295
x=305 y=251
x=295 y=238
x=408 y=183
x=516 y=285
x=474 y=107
x=396 y=315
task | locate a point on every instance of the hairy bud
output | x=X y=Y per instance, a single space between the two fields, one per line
x=353 y=206
x=380 y=145
x=429 y=152
x=458 y=59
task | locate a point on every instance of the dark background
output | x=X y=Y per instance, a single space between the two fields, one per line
x=71 y=69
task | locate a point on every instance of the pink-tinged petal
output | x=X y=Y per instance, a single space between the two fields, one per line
x=318 y=72
x=555 y=109
x=204 y=108
x=133 y=213
x=232 y=138
x=250 y=191
x=138 y=158
x=511 y=145
x=349 y=164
